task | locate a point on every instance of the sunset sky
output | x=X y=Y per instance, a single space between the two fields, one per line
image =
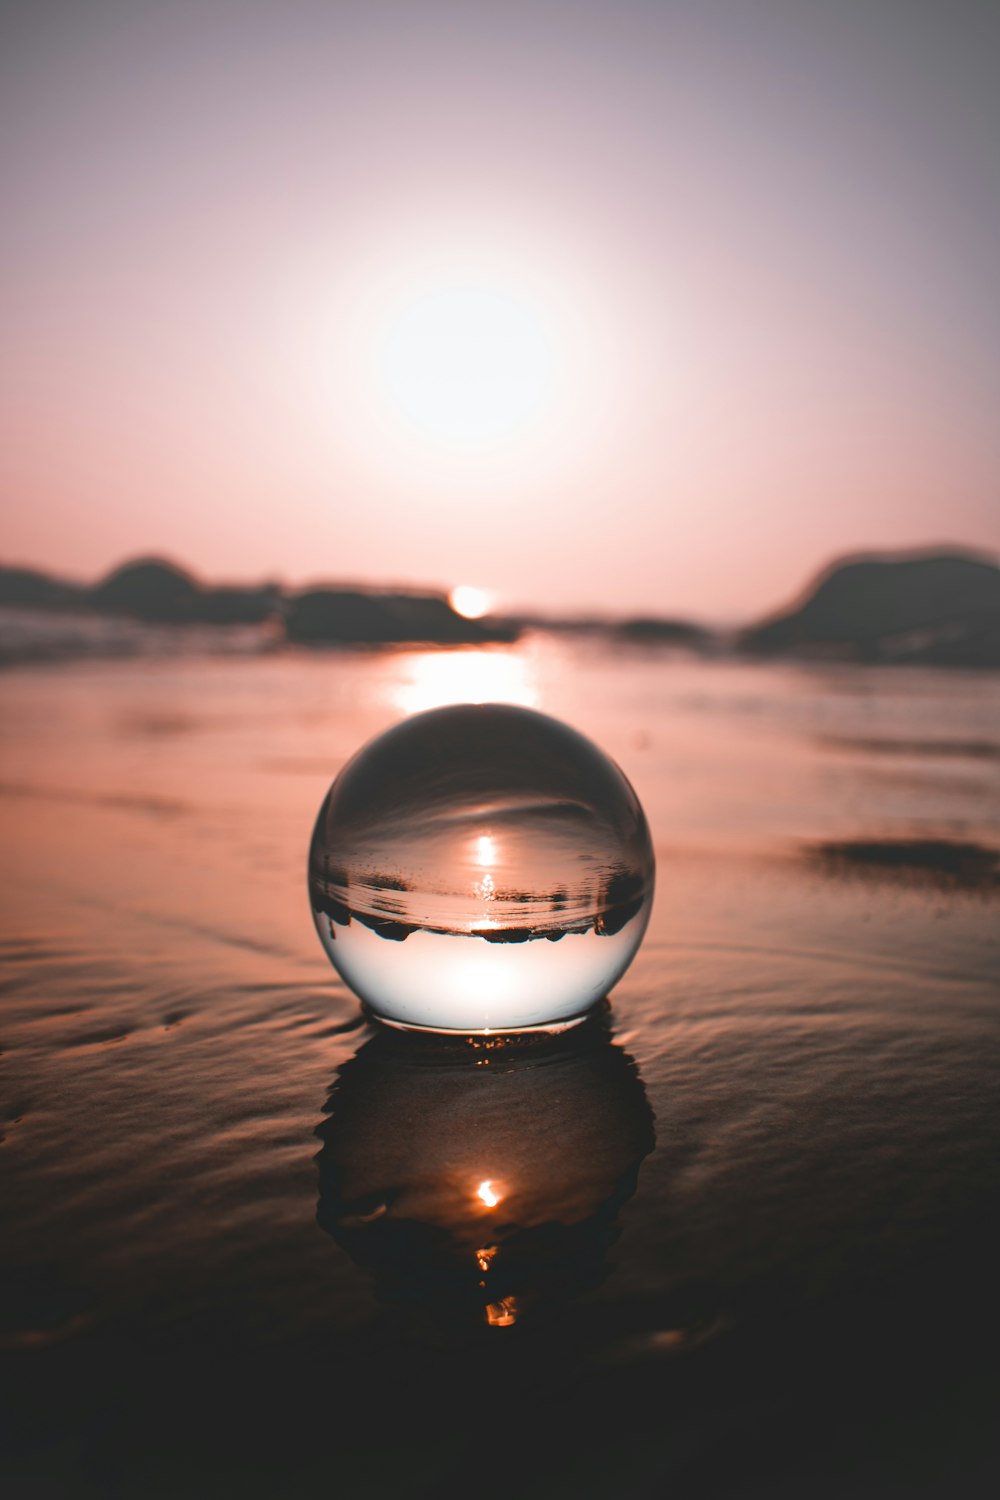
x=617 y=306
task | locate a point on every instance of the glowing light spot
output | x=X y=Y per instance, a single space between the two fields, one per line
x=489 y=1197
x=486 y=851
x=502 y=1314
x=466 y=361
x=469 y=602
x=432 y=679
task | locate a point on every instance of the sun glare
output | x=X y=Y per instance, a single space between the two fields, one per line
x=467 y=361
x=454 y=359
x=471 y=603
x=486 y=851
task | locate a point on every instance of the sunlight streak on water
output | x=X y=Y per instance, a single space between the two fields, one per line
x=431 y=679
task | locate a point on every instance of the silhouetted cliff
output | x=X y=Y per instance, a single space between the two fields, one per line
x=940 y=608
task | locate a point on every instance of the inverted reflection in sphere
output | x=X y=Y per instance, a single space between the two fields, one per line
x=481 y=868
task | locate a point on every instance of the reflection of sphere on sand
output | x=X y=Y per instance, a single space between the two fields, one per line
x=481 y=867
x=480 y=1179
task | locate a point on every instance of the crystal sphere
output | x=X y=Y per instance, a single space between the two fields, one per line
x=481 y=868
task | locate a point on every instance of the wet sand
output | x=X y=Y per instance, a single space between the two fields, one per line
x=756 y=1209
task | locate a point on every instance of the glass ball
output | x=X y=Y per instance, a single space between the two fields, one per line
x=481 y=868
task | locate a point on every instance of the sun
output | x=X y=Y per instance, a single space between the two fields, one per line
x=467 y=361
x=469 y=602
x=459 y=365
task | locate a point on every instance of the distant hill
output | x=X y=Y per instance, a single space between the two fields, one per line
x=939 y=608
x=158 y=591
x=149 y=588
x=326 y=615
x=26 y=588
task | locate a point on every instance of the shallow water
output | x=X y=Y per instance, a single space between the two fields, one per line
x=743 y=1239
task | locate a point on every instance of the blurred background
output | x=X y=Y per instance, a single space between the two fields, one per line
x=646 y=307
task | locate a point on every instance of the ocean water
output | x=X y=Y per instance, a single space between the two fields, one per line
x=735 y=1236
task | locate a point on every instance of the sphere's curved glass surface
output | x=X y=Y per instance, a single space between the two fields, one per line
x=481 y=867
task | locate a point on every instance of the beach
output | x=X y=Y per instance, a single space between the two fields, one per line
x=776 y=1151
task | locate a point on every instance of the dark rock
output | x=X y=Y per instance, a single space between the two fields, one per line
x=330 y=906
x=28 y=589
x=649 y=629
x=948 y=863
x=505 y=934
x=159 y=591
x=325 y=616
x=239 y=606
x=620 y=900
x=148 y=589
x=935 y=608
x=385 y=927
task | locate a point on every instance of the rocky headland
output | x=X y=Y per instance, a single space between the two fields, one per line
x=932 y=608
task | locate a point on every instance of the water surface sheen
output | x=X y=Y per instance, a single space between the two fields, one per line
x=743 y=1238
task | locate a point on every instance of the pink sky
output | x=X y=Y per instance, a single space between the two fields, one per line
x=765 y=238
